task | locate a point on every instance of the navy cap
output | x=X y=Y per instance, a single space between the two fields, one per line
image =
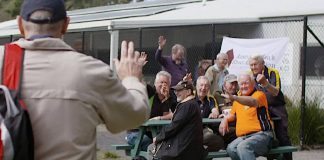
x=56 y=7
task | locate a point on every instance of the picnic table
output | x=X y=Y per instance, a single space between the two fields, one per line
x=155 y=125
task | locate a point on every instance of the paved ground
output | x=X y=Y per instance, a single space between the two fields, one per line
x=105 y=139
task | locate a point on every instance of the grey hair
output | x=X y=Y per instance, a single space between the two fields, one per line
x=163 y=73
x=48 y=28
x=177 y=47
x=219 y=55
x=202 y=78
x=258 y=58
x=247 y=74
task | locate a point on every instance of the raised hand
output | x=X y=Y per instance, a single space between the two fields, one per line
x=187 y=77
x=161 y=42
x=143 y=58
x=261 y=79
x=130 y=64
x=165 y=92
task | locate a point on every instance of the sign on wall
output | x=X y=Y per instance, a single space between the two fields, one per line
x=277 y=53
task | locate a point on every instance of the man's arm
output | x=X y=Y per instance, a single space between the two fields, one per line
x=214 y=108
x=121 y=103
x=274 y=90
x=245 y=100
x=158 y=53
x=223 y=127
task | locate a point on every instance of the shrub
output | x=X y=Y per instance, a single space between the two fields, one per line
x=313 y=123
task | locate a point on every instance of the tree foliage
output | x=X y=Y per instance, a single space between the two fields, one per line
x=10 y=8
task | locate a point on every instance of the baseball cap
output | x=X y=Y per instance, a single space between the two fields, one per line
x=183 y=85
x=230 y=78
x=56 y=7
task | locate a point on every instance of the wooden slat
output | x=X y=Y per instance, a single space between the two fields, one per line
x=122 y=146
x=283 y=149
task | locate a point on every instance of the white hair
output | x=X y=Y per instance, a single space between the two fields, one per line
x=163 y=73
x=202 y=78
x=259 y=58
x=247 y=74
x=220 y=55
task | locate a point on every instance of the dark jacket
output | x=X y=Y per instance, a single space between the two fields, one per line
x=183 y=137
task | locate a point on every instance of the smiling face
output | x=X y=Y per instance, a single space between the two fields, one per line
x=256 y=63
x=246 y=84
x=202 y=87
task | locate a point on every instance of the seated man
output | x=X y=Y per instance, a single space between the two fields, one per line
x=209 y=109
x=229 y=86
x=183 y=138
x=253 y=125
x=225 y=105
x=160 y=103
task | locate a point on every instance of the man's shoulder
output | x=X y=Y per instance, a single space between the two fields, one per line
x=258 y=93
x=273 y=70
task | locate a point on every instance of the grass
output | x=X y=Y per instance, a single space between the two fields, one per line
x=110 y=155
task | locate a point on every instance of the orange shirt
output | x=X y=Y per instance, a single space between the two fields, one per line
x=250 y=119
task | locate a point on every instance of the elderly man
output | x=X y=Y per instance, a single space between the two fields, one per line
x=230 y=86
x=253 y=124
x=161 y=103
x=175 y=64
x=217 y=72
x=209 y=109
x=268 y=81
x=183 y=137
x=68 y=94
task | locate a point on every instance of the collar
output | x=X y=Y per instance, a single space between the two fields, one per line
x=47 y=43
x=39 y=37
x=204 y=100
x=188 y=98
x=240 y=94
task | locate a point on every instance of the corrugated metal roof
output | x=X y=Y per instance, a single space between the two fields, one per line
x=118 y=14
x=110 y=12
x=182 y=12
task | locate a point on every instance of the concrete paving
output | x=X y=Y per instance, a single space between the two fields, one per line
x=105 y=139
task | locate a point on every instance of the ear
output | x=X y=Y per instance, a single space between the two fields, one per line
x=20 y=25
x=65 y=25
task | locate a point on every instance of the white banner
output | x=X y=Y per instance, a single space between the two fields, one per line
x=276 y=53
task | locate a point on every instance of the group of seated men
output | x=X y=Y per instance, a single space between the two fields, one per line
x=246 y=104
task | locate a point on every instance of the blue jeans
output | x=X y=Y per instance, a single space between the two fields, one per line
x=132 y=136
x=251 y=146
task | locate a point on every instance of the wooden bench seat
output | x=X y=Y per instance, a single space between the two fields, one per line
x=126 y=147
x=278 y=151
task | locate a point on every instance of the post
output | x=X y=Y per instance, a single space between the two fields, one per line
x=214 y=53
x=303 y=103
x=114 y=38
x=140 y=39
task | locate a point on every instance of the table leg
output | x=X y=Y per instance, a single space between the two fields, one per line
x=135 y=151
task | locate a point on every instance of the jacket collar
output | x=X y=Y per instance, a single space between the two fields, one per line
x=47 y=43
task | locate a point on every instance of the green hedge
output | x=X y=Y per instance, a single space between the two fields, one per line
x=313 y=125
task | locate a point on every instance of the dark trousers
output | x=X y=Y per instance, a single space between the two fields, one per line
x=281 y=127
